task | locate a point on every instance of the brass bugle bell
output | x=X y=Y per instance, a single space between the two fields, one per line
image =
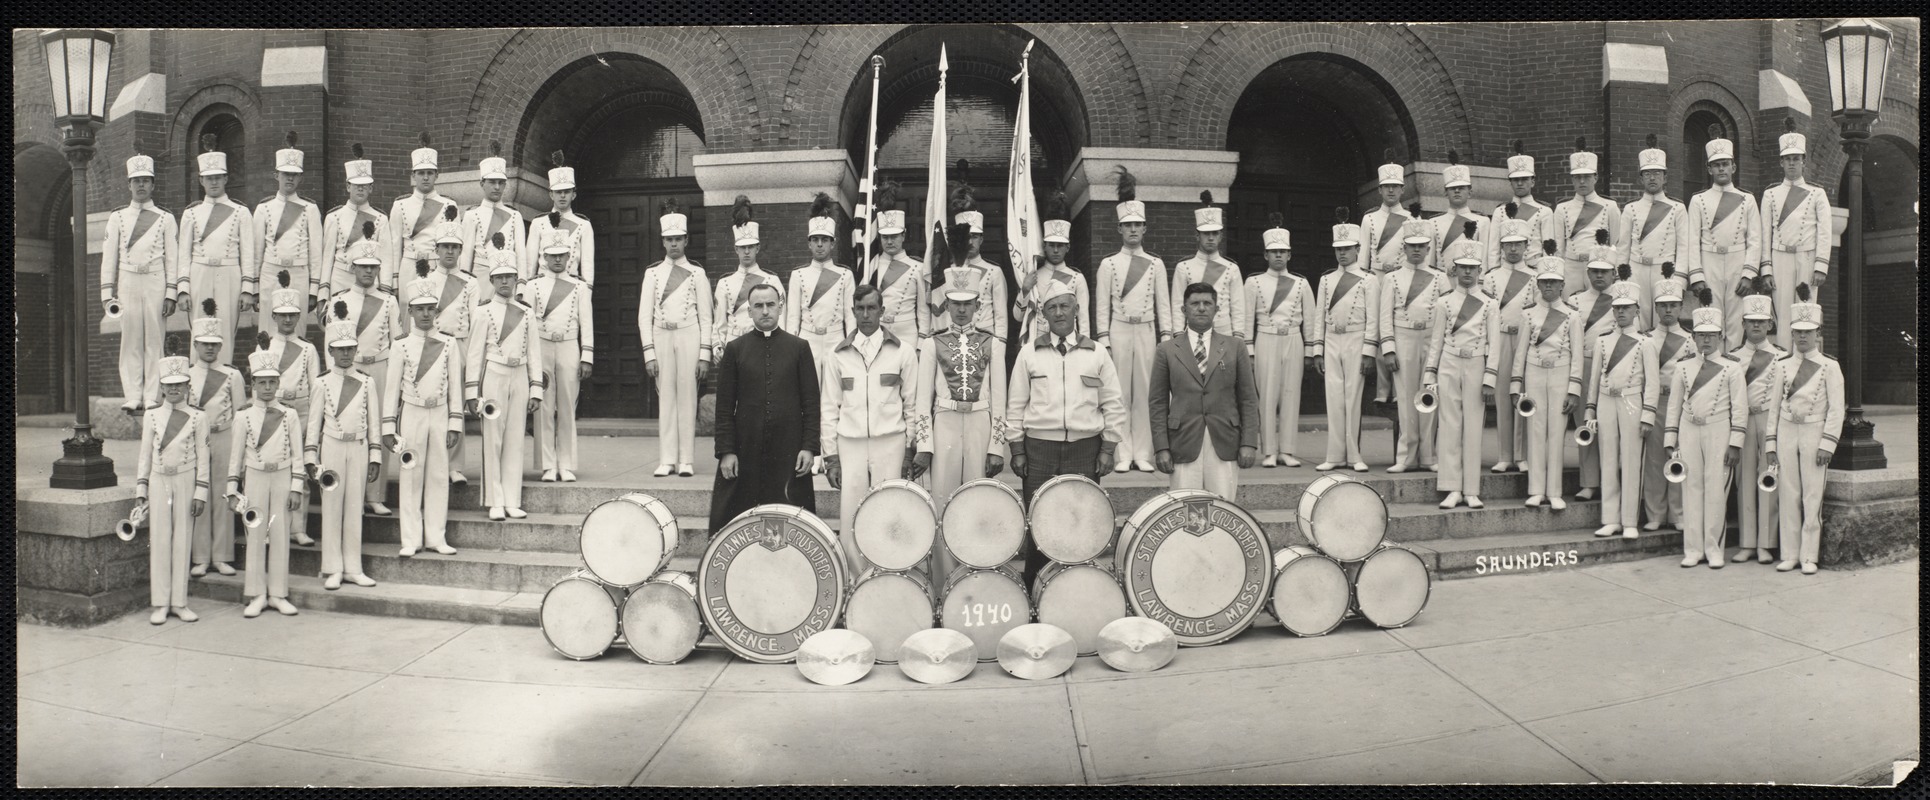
x=409 y=458
x=1585 y=435
x=329 y=480
x=114 y=308
x=1525 y=407
x=124 y=530
x=1426 y=402
x=491 y=409
x=1766 y=482
x=251 y=517
x=1675 y=471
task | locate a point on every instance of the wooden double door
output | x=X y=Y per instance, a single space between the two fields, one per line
x=629 y=239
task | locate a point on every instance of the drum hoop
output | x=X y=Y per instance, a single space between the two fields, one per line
x=1052 y=570
x=798 y=519
x=857 y=540
x=1303 y=517
x=1345 y=607
x=669 y=547
x=1166 y=502
x=910 y=577
x=1046 y=490
x=580 y=575
x=1024 y=523
x=1427 y=589
x=629 y=644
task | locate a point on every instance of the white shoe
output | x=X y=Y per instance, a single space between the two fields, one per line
x=663 y=471
x=1809 y=568
x=1144 y=466
x=380 y=510
x=1535 y=501
x=1741 y=555
x=303 y=539
x=185 y=614
x=332 y=582
x=496 y=513
x=1475 y=502
x=1652 y=526
x=549 y=476
x=1585 y=494
x=1453 y=499
x=1499 y=467
x=685 y=470
x=1762 y=555
x=1690 y=561
x=1432 y=467
x=457 y=478
x=1606 y=530
x=198 y=570
x=159 y=617
x=1360 y=466
x=1287 y=460
x=1630 y=532
x=361 y=580
x=1557 y=504
x=516 y=513
x=1123 y=466
x=1324 y=466
x=281 y=604
x=255 y=606
x=1267 y=462
x=567 y=476
x=406 y=552
x=1397 y=469
x=444 y=549
x=1786 y=566
x=224 y=568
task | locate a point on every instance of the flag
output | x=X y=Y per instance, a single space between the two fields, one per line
x=936 y=193
x=1022 y=233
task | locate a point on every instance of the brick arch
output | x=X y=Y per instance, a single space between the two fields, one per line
x=1707 y=89
x=229 y=91
x=1230 y=57
x=700 y=58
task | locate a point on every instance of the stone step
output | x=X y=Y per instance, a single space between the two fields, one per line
x=1517 y=554
x=469 y=568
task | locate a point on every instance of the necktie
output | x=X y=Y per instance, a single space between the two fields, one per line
x=1199 y=351
x=1062 y=347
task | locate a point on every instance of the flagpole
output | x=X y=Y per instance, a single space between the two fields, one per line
x=1023 y=238
x=870 y=183
x=936 y=200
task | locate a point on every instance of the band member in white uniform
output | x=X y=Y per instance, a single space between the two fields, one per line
x=171 y=488
x=350 y=225
x=1597 y=320
x=1756 y=510
x=342 y=438
x=1277 y=325
x=1655 y=229
x=1204 y=402
x=218 y=243
x=1346 y=342
x=1208 y=266
x=990 y=280
x=870 y=427
x=261 y=476
x=422 y=417
x=458 y=294
x=1708 y=413
x=415 y=218
x=1385 y=251
x=673 y=318
x=1796 y=231
x=1622 y=396
x=1462 y=367
x=817 y=306
x=1408 y=297
x=1512 y=284
x=288 y=229
x=492 y=216
x=1808 y=409
x=1451 y=227
x=1578 y=218
x=299 y=368
x=961 y=388
x=566 y=334
x=731 y=307
x=1548 y=373
x=501 y=368
x=1133 y=316
x=563 y=227
x=1662 y=498
x=905 y=283
x=1726 y=240
x=218 y=391
x=1522 y=206
x=140 y=272
x=1038 y=283
x=378 y=322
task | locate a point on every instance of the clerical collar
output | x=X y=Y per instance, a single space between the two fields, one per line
x=767 y=334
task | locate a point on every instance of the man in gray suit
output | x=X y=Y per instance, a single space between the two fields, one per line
x=1203 y=386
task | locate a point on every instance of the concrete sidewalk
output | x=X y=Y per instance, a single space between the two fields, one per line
x=1637 y=671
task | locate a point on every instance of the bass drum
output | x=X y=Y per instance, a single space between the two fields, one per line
x=769 y=580
x=1391 y=586
x=894 y=527
x=1196 y=564
x=661 y=624
x=627 y=540
x=984 y=524
x=1071 y=520
x=1310 y=591
x=1081 y=599
x=1343 y=517
x=579 y=616
x=983 y=604
x=887 y=607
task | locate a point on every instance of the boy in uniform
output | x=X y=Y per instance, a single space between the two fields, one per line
x=673 y=320
x=561 y=227
x=961 y=389
x=492 y=219
x=1796 y=231
x=298 y=367
x=415 y=218
x=1408 y=298
x=422 y=413
x=1755 y=509
x=905 y=284
x=218 y=243
x=1276 y=327
x=218 y=391
x=1511 y=282
x=1655 y=228
x=347 y=228
x=171 y=490
x=1548 y=373
x=1662 y=498
x=1346 y=342
x=341 y=439
x=1725 y=241
x=1596 y=308
x=139 y=270
x=261 y=476
x=1462 y=366
x=376 y=319
x=456 y=298
x=1587 y=220
x=731 y=307
x=288 y=230
x=1134 y=314
x=1708 y=414
x=1056 y=243
x=1208 y=266
x=817 y=304
x=565 y=328
x=502 y=369
x=1808 y=409
x=1622 y=396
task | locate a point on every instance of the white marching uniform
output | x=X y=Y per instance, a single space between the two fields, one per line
x=482 y=222
x=218 y=241
x=140 y=265
x=218 y=391
x=905 y=290
x=1575 y=221
x=1548 y=370
x=268 y=446
x=1133 y=315
x=1030 y=305
x=171 y=473
x=1622 y=396
x=421 y=402
x=578 y=236
x=288 y=229
x=501 y=365
x=1408 y=298
x=868 y=414
x=341 y=229
x=1807 y=406
x=1381 y=248
x=961 y=389
x=1346 y=322
x=1661 y=499
x=301 y=370
x=566 y=336
x=1461 y=359
x=1513 y=288
x=1726 y=246
x=378 y=322
x=413 y=220
x=1224 y=276
x=1449 y=229
x=1708 y=414
x=818 y=306
x=1655 y=229
x=995 y=298
x=673 y=318
x=1597 y=314
x=1756 y=516
x=343 y=436
x=1796 y=234
x=731 y=309
x=1277 y=326
x=458 y=295
x=1540 y=219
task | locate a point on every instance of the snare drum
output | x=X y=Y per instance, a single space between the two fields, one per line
x=984 y=524
x=627 y=540
x=1310 y=591
x=769 y=580
x=1343 y=517
x=660 y=620
x=887 y=607
x=1080 y=598
x=1071 y=521
x=1391 y=586
x=983 y=604
x=893 y=529
x=1195 y=563
x=579 y=615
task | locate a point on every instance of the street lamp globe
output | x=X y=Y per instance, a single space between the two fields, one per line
x=77 y=60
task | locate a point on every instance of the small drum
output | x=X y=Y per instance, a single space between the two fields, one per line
x=579 y=616
x=984 y=524
x=983 y=604
x=887 y=607
x=1343 y=517
x=894 y=527
x=627 y=540
x=1195 y=563
x=1310 y=591
x=1391 y=586
x=769 y=580
x=1080 y=598
x=1071 y=521
x=660 y=620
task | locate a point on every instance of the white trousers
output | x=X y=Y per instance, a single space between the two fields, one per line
x=462 y=438
x=1133 y=349
x=959 y=440
x=1279 y=361
x=376 y=490
x=425 y=489
x=224 y=285
x=1590 y=465
x=170 y=528
x=1790 y=269
x=1619 y=440
x=1705 y=495
x=142 y=333
x=1661 y=500
x=1461 y=416
x=556 y=417
x=862 y=464
x=214 y=530
x=342 y=506
x=1341 y=361
x=298 y=522
x=1508 y=426
x=266 y=568
x=1800 y=483
x=1574 y=272
x=1416 y=445
x=1756 y=516
x=1548 y=387
x=502 y=437
x=1721 y=271
x=677 y=395
x=1209 y=472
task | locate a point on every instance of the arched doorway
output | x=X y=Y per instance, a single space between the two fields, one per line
x=1705 y=121
x=224 y=123
x=631 y=130
x=43 y=225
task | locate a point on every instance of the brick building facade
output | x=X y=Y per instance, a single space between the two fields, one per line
x=1288 y=117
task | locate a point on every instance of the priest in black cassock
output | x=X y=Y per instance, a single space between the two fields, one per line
x=767 y=417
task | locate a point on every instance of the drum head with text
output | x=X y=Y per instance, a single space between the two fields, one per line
x=1197 y=564
x=769 y=580
x=983 y=605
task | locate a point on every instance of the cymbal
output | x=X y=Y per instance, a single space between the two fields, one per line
x=937 y=655
x=1136 y=644
x=834 y=657
x=1037 y=651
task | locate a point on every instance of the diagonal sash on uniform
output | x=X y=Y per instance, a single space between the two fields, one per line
x=1415 y=287
x=1710 y=369
x=512 y=316
x=1657 y=212
x=1602 y=302
x=211 y=386
x=826 y=280
x=1210 y=274
x=177 y=419
x=1623 y=344
x=289 y=353
x=1803 y=374
x=565 y=224
x=744 y=288
x=1516 y=281
x=1757 y=364
x=1136 y=267
x=452 y=286
x=370 y=310
x=1725 y=205
x=1282 y=286
x=355 y=230
x=1584 y=217
x=217 y=213
x=1525 y=212
x=1550 y=324
x=291 y=212
x=497 y=216
x=1388 y=230
x=672 y=281
x=270 y=420
x=1453 y=232
x=142 y=222
x=563 y=289
x=431 y=349
x=1791 y=202
x=1672 y=343
x=427 y=216
x=1469 y=307
x=893 y=272
x=1342 y=285
x=349 y=387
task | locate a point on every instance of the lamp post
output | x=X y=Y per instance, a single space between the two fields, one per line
x=1858 y=52
x=77 y=61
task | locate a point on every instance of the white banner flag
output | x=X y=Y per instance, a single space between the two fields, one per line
x=936 y=191
x=1022 y=225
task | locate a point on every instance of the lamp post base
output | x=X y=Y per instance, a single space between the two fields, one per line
x=1859 y=449
x=82 y=465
